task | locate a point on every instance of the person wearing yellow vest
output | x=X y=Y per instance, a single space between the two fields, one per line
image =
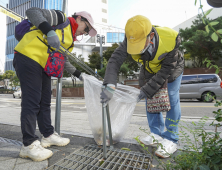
x=31 y=54
x=156 y=49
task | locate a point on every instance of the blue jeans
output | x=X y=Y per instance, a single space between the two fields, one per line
x=156 y=121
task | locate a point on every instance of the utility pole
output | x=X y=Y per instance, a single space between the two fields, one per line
x=101 y=40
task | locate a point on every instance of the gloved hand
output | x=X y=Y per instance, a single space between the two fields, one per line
x=78 y=74
x=107 y=93
x=142 y=95
x=53 y=40
x=80 y=77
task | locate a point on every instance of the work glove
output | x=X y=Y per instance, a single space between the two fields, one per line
x=78 y=74
x=107 y=93
x=80 y=77
x=142 y=95
x=53 y=40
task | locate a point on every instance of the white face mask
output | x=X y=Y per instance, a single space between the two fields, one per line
x=143 y=51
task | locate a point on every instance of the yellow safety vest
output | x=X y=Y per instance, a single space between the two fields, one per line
x=34 y=45
x=167 y=42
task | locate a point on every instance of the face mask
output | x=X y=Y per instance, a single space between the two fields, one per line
x=143 y=51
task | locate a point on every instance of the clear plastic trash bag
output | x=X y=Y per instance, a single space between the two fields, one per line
x=121 y=108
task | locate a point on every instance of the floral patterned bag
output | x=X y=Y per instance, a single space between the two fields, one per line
x=55 y=64
x=160 y=102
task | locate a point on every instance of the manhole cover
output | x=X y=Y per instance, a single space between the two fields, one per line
x=89 y=158
x=14 y=142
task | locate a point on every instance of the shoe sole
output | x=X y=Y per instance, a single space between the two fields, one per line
x=161 y=156
x=48 y=145
x=36 y=160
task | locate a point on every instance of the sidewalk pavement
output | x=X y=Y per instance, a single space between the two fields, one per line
x=74 y=125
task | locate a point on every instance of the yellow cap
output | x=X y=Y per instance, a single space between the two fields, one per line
x=137 y=28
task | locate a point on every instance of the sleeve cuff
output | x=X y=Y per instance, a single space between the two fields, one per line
x=77 y=73
x=45 y=27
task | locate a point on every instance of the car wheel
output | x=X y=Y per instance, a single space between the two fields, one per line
x=208 y=97
x=13 y=96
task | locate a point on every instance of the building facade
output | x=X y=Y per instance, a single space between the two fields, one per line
x=20 y=6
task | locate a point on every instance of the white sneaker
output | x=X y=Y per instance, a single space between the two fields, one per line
x=149 y=140
x=168 y=149
x=54 y=139
x=35 y=151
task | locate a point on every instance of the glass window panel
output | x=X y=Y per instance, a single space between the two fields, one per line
x=104 y=20
x=115 y=37
x=109 y=37
x=121 y=37
x=207 y=78
x=104 y=10
x=189 y=80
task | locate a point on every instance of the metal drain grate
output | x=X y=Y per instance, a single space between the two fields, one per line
x=89 y=158
x=14 y=142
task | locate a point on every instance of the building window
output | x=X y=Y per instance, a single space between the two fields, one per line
x=104 y=20
x=109 y=37
x=104 y=10
x=104 y=1
x=115 y=37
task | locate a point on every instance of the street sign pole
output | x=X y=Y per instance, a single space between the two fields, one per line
x=101 y=51
x=101 y=41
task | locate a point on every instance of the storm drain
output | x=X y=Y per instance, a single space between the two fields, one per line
x=91 y=158
x=14 y=142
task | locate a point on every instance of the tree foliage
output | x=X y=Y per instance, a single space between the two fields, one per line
x=128 y=66
x=94 y=61
x=8 y=74
x=1 y=77
x=198 y=45
x=14 y=81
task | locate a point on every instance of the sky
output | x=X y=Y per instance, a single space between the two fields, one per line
x=169 y=13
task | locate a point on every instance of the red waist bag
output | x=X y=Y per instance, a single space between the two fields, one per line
x=55 y=64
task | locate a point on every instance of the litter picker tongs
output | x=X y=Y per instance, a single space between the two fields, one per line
x=105 y=107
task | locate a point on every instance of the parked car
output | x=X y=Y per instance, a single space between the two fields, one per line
x=199 y=85
x=17 y=93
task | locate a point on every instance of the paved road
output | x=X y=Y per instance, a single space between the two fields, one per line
x=190 y=108
x=74 y=117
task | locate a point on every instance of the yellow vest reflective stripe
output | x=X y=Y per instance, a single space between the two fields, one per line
x=34 y=46
x=167 y=42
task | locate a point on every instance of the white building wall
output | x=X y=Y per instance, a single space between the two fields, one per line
x=215 y=13
x=94 y=7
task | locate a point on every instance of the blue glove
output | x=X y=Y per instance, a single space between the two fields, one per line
x=142 y=95
x=107 y=93
x=53 y=40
